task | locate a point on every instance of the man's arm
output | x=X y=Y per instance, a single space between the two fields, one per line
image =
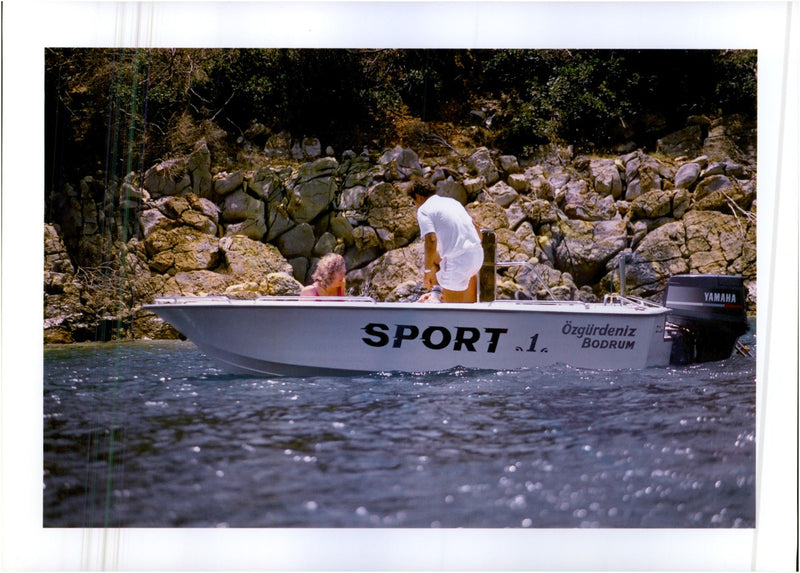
x=431 y=261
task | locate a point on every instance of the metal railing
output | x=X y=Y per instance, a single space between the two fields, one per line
x=224 y=299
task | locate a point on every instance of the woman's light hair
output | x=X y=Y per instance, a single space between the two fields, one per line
x=327 y=267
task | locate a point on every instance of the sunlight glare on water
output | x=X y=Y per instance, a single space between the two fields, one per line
x=155 y=435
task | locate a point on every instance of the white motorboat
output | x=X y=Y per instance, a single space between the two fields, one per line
x=305 y=337
x=294 y=336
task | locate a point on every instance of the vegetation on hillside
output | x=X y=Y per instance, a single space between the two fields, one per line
x=118 y=110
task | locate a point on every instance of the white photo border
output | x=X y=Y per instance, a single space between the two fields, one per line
x=31 y=26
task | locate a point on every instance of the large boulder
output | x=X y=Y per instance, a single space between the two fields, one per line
x=199 y=167
x=642 y=174
x=508 y=164
x=140 y=281
x=502 y=194
x=517 y=212
x=687 y=175
x=197 y=283
x=225 y=183
x=518 y=182
x=451 y=188
x=586 y=205
x=312 y=189
x=239 y=206
x=170 y=177
x=274 y=284
x=473 y=186
x=312 y=147
x=719 y=145
x=244 y=215
x=298 y=242
x=278 y=220
x=510 y=246
x=659 y=255
x=278 y=144
x=356 y=170
x=539 y=185
x=400 y=163
x=687 y=141
x=719 y=193
x=540 y=212
x=380 y=278
x=356 y=258
x=653 y=204
x=251 y=228
x=326 y=243
x=365 y=238
x=146 y=325
x=538 y=282
x=267 y=185
x=481 y=163
x=488 y=215
x=392 y=212
x=280 y=284
x=56 y=258
x=181 y=249
x=247 y=259
x=189 y=210
x=342 y=228
x=605 y=177
x=353 y=198
x=714 y=242
x=584 y=247
x=152 y=218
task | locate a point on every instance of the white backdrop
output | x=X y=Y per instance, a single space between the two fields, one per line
x=29 y=26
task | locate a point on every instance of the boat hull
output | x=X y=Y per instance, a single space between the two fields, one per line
x=306 y=337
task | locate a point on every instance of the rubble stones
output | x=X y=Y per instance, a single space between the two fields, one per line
x=571 y=218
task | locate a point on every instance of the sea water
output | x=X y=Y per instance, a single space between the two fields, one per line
x=155 y=434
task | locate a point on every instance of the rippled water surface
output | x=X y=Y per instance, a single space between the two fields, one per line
x=153 y=434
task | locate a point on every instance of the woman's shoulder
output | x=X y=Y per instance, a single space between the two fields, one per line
x=310 y=290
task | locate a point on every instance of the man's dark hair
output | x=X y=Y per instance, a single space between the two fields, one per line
x=421 y=187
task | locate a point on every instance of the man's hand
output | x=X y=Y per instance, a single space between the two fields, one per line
x=429 y=277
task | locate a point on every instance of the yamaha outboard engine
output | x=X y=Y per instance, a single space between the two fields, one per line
x=707 y=316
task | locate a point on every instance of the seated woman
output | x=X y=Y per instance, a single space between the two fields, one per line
x=328 y=277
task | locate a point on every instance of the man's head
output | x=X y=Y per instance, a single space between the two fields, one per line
x=420 y=189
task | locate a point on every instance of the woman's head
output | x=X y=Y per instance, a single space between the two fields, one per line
x=330 y=268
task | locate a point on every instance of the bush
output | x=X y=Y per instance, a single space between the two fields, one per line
x=123 y=108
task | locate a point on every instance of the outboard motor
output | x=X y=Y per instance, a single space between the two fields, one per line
x=707 y=316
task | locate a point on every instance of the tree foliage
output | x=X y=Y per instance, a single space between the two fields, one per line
x=118 y=109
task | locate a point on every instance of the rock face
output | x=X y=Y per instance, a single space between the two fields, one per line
x=187 y=227
x=61 y=290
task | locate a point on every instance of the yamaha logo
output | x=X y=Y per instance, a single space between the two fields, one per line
x=720 y=297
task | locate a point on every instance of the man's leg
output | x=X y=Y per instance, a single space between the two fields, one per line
x=468 y=295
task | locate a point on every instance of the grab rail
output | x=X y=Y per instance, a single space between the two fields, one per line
x=183 y=299
x=180 y=299
x=318 y=298
x=628 y=300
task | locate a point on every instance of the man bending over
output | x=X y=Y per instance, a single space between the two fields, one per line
x=453 y=252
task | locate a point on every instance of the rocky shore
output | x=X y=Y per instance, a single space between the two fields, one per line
x=256 y=223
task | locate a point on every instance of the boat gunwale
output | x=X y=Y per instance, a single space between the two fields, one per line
x=617 y=306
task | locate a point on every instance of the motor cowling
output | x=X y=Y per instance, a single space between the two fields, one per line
x=707 y=316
